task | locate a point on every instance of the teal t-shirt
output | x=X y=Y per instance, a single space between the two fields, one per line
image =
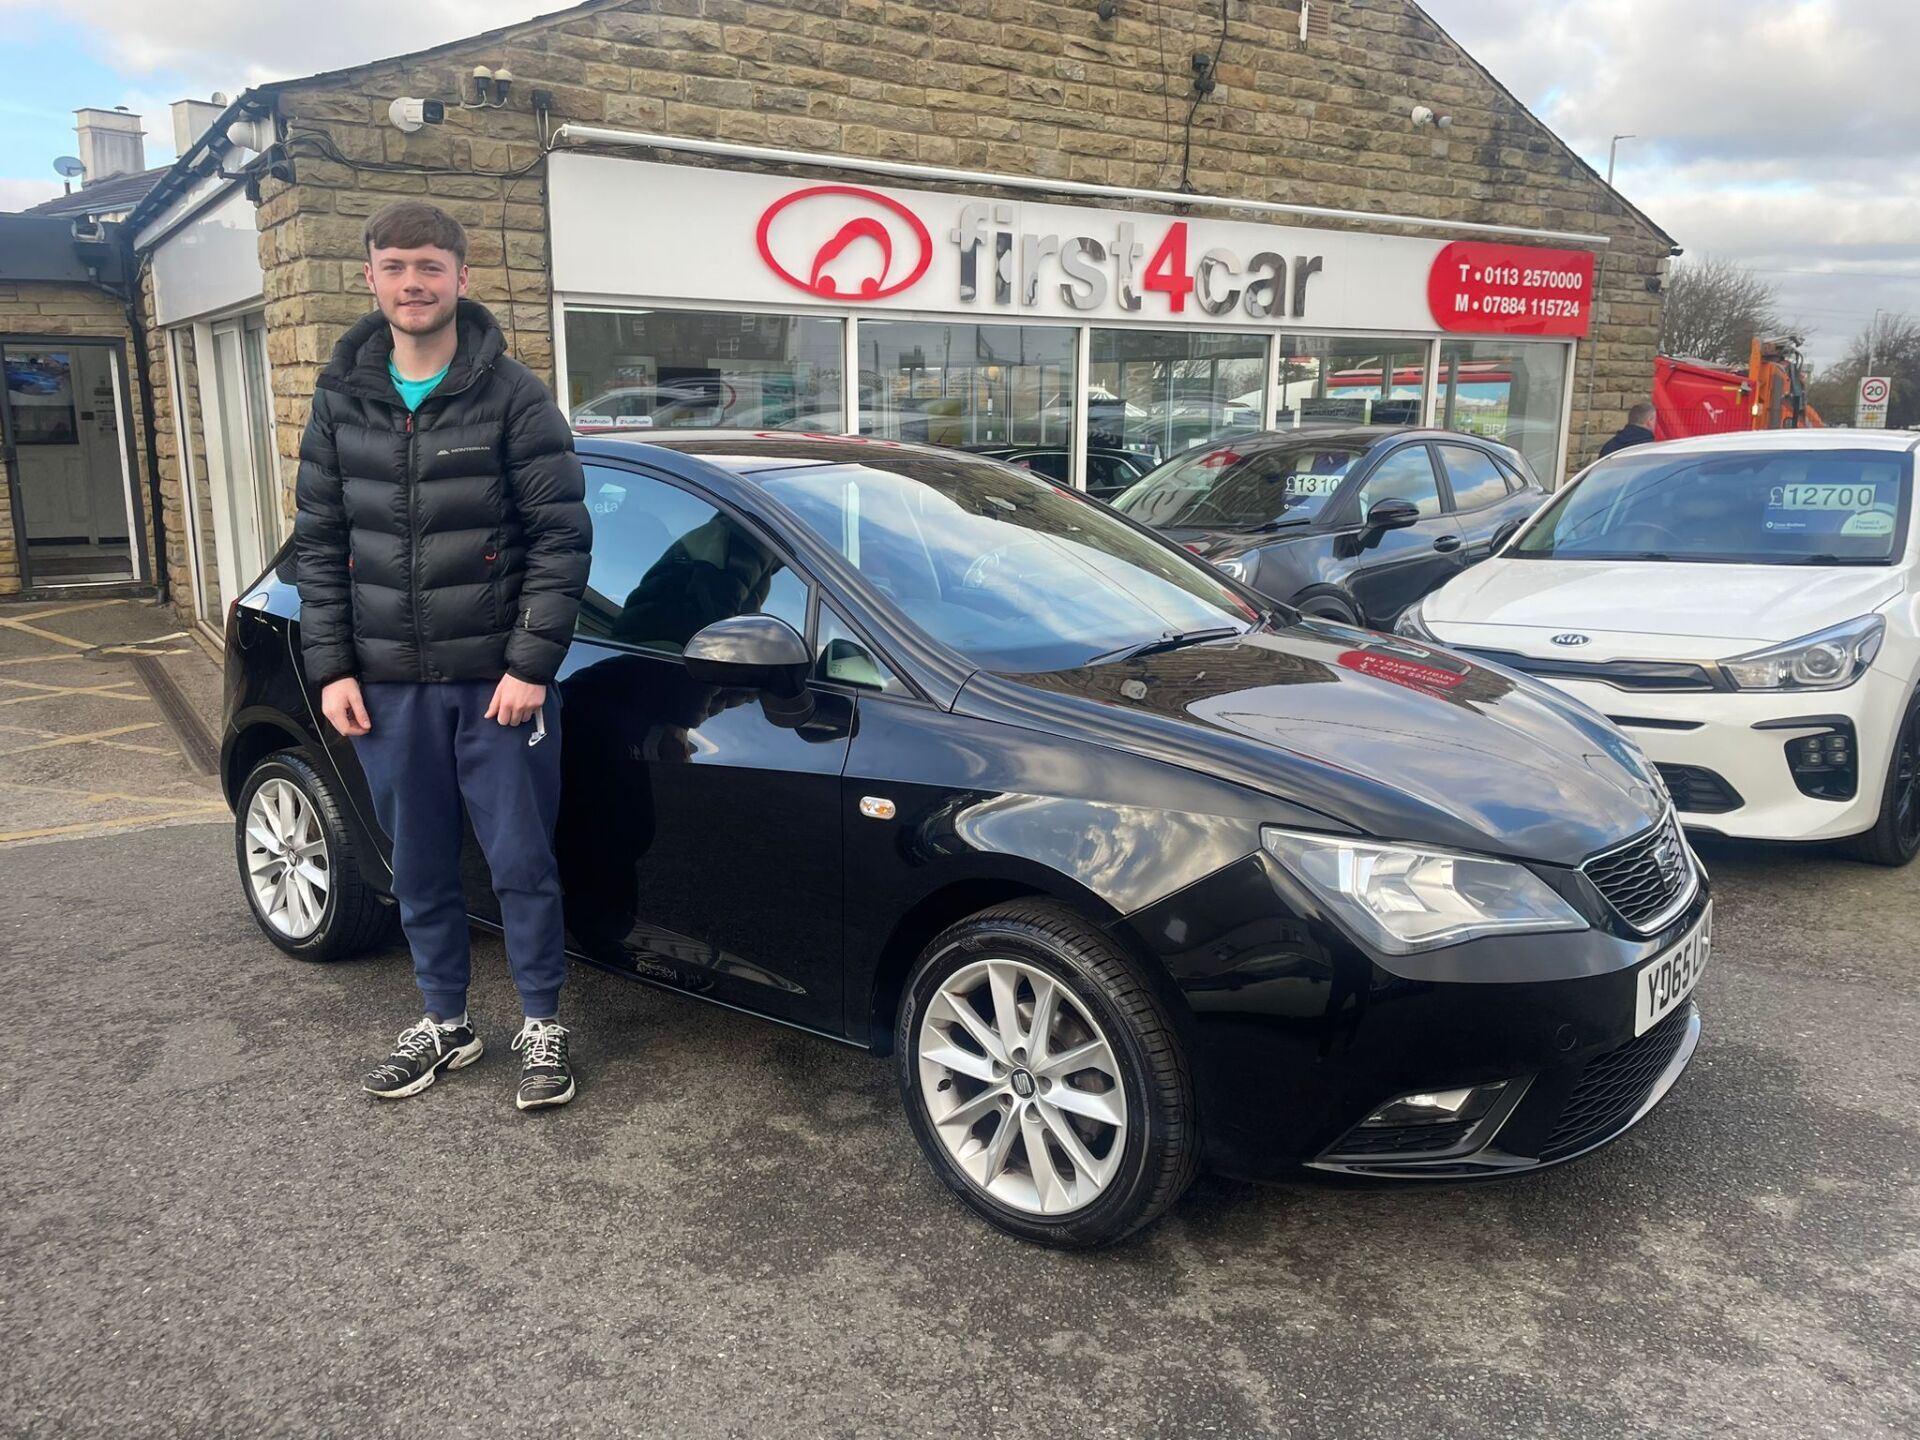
x=414 y=391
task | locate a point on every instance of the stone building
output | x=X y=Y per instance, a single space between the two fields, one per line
x=973 y=221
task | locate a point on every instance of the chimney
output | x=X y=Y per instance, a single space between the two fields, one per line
x=111 y=142
x=191 y=119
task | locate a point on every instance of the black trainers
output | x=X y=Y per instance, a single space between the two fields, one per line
x=545 y=1078
x=423 y=1051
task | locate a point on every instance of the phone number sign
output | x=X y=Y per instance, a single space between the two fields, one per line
x=1487 y=289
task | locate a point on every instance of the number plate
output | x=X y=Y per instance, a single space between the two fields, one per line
x=1667 y=979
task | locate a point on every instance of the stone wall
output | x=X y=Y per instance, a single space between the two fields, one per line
x=1018 y=86
x=31 y=307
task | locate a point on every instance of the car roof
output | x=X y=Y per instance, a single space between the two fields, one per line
x=751 y=452
x=1818 y=438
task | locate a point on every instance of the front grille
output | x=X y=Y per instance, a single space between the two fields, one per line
x=1698 y=790
x=1661 y=675
x=1404 y=1139
x=1614 y=1085
x=1648 y=879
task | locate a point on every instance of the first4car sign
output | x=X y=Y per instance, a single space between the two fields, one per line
x=732 y=238
x=1876 y=392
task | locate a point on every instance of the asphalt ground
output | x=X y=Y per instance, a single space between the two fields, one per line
x=206 y=1229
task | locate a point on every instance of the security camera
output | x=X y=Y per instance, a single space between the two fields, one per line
x=89 y=231
x=1422 y=115
x=409 y=114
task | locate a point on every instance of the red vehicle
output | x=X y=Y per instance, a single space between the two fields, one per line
x=1691 y=397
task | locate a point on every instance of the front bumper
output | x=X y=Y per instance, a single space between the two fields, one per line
x=1541 y=1120
x=1296 y=1034
x=1741 y=739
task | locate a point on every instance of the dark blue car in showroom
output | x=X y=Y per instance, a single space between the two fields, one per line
x=1128 y=869
x=1348 y=524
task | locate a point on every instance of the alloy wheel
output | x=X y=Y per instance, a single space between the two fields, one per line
x=288 y=868
x=1022 y=1086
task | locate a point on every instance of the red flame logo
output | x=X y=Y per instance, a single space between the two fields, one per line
x=859 y=228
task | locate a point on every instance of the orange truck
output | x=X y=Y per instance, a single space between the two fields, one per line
x=1691 y=397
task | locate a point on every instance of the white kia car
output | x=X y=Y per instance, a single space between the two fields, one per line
x=1745 y=607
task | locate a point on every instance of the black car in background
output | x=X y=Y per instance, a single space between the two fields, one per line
x=1352 y=525
x=1127 y=870
x=1109 y=471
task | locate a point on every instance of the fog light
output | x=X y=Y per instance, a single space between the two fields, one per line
x=1436 y=1107
x=1825 y=765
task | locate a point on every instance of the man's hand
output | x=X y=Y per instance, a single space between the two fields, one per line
x=514 y=701
x=345 y=707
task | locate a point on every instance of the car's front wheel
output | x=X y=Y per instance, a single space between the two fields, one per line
x=1043 y=1078
x=299 y=867
x=1895 y=837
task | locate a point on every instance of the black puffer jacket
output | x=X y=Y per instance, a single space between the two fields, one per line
x=449 y=544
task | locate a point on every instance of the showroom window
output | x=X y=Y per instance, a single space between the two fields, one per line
x=1156 y=393
x=1349 y=380
x=692 y=369
x=945 y=384
x=666 y=564
x=1513 y=392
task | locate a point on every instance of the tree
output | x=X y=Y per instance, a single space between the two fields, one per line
x=1892 y=343
x=1714 y=309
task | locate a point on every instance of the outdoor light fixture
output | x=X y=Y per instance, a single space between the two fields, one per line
x=1423 y=115
x=1107 y=9
x=490 y=88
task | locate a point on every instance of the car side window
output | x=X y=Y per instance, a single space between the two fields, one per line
x=1050 y=463
x=843 y=658
x=1476 y=480
x=1406 y=474
x=667 y=564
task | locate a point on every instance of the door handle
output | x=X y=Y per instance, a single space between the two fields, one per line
x=1447 y=543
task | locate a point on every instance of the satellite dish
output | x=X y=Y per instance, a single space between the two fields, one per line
x=69 y=167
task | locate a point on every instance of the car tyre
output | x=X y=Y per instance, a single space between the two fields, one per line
x=1102 y=1180
x=1329 y=607
x=299 y=865
x=1895 y=837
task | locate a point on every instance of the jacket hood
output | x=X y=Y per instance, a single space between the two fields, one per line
x=359 y=363
x=1393 y=738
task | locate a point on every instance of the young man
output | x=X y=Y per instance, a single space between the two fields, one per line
x=442 y=544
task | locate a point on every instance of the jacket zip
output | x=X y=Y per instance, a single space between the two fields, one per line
x=413 y=555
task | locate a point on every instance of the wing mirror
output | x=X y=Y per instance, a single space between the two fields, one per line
x=755 y=652
x=1392 y=514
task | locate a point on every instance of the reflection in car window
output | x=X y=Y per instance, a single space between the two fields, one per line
x=667 y=564
x=1404 y=475
x=1810 y=507
x=1476 y=480
x=1009 y=571
x=843 y=658
x=1235 y=489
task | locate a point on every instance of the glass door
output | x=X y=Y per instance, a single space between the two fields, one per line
x=68 y=454
x=242 y=467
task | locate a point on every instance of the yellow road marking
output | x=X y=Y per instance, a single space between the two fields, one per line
x=102 y=796
x=110 y=744
x=56 y=692
x=41 y=659
x=26 y=629
x=82 y=739
x=44 y=831
x=63 y=609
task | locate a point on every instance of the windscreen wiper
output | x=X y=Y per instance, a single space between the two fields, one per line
x=1172 y=640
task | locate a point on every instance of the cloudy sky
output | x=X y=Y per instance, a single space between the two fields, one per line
x=1779 y=133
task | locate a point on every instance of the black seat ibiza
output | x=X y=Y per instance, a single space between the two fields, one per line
x=1128 y=872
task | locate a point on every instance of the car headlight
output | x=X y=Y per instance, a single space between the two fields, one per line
x=1402 y=898
x=1826 y=660
x=1235 y=569
x=1413 y=625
